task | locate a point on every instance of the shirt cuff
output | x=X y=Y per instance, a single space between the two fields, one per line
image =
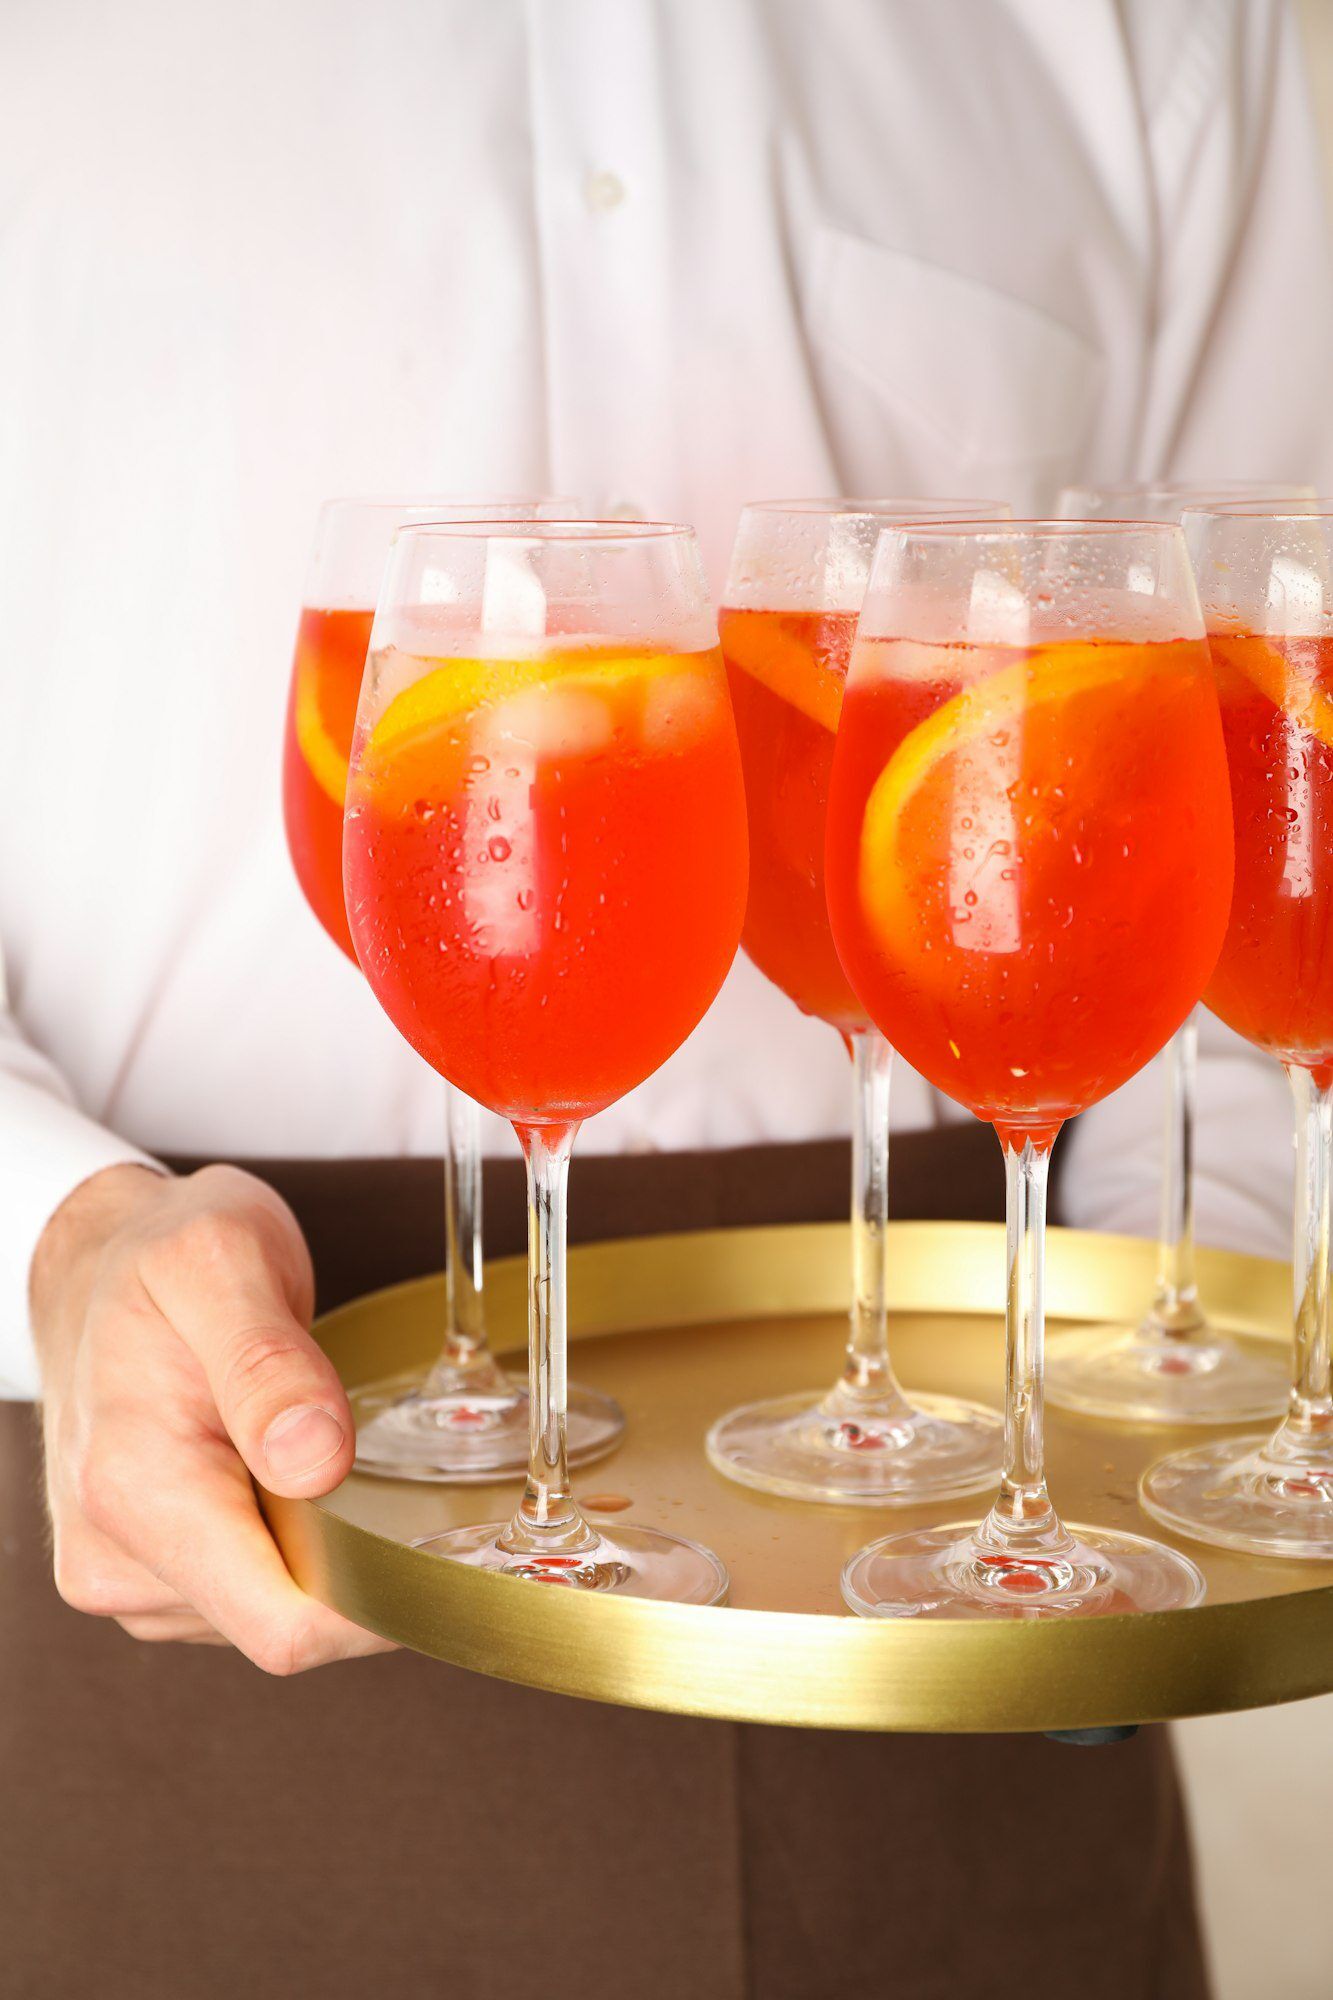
x=49 y=1149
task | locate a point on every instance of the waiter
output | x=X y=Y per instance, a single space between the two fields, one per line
x=668 y=255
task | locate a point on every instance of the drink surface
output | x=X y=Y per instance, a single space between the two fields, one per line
x=786 y=670
x=1274 y=978
x=545 y=866
x=1029 y=861
x=321 y=716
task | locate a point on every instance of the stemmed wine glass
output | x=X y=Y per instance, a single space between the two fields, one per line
x=465 y=1419
x=798 y=574
x=1172 y=1366
x=1266 y=580
x=1029 y=868
x=545 y=869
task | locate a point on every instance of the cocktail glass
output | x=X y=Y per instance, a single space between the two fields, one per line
x=1029 y=869
x=465 y=1419
x=545 y=869
x=798 y=574
x=1266 y=580
x=1172 y=1365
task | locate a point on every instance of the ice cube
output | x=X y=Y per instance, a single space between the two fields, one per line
x=551 y=721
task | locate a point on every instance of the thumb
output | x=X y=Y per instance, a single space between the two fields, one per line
x=276 y=1392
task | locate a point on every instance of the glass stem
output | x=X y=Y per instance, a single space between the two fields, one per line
x=1022 y=1512
x=1175 y=1307
x=462 y=1227
x=465 y=1355
x=867 y=1375
x=547 y=1520
x=1310 y=1417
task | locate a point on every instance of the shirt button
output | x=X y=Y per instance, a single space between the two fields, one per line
x=603 y=190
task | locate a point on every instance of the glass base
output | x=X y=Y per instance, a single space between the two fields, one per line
x=631 y=1562
x=468 y=1434
x=1270 y=1496
x=957 y=1572
x=1145 y=1375
x=934 y=1448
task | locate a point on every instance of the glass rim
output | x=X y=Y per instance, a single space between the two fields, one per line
x=853 y=508
x=507 y=528
x=1039 y=529
x=1260 y=512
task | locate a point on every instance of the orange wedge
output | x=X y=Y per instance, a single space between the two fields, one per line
x=1049 y=675
x=1280 y=679
x=455 y=688
x=323 y=738
x=762 y=646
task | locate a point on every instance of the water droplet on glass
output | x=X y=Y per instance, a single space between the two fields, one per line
x=499 y=848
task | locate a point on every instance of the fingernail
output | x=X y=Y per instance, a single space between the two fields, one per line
x=301 y=1440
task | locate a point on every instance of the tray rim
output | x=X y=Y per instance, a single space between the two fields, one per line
x=806 y=1668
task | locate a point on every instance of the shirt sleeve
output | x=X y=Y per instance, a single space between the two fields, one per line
x=1241 y=357
x=50 y=1148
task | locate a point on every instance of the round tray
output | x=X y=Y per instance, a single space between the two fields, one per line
x=680 y=1328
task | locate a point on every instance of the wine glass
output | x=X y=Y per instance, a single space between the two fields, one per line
x=465 y=1419
x=1266 y=580
x=1029 y=869
x=1172 y=1365
x=798 y=574
x=545 y=868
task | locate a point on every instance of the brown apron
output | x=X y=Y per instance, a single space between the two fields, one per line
x=174 y=1826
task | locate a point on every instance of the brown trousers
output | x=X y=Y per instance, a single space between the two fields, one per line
x=173 y=1826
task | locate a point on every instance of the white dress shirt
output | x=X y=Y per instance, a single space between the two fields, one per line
x=670 y=255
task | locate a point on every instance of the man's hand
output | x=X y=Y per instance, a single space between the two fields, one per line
x=171 y=1320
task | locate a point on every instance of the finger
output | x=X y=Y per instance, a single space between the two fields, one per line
x=187 y=1629
x=200 y=1529
x=277 y=1394
x=92 y=1575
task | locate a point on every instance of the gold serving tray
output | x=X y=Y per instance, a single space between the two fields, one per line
x=680 y=1328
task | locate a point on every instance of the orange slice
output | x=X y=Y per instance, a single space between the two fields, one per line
x=455 y=688
x=1048 y=675
x=322 y=742
x=759 y=643
x=1279 y=679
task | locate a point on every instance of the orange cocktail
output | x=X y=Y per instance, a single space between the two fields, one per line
x=1029 y=870
x=1274 y=980
x=465 y=1419
x=321 y=714
x=794 y=588
x=1033 y=861
x=786 y=670
x=1264 y=577
x=545 y=866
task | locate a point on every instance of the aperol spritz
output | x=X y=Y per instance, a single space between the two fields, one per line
x=1029 y=870
x=545 y=869
x=1265 y=579
x=797 y=577
x=1171 y=1365
x=465 y=1419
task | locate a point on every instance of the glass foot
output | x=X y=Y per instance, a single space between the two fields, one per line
x=631 y=1562
x=956 y=1572
x=1270 y=1496
x=471 y=1434
x=935 y=1448
x=1144 y=1375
